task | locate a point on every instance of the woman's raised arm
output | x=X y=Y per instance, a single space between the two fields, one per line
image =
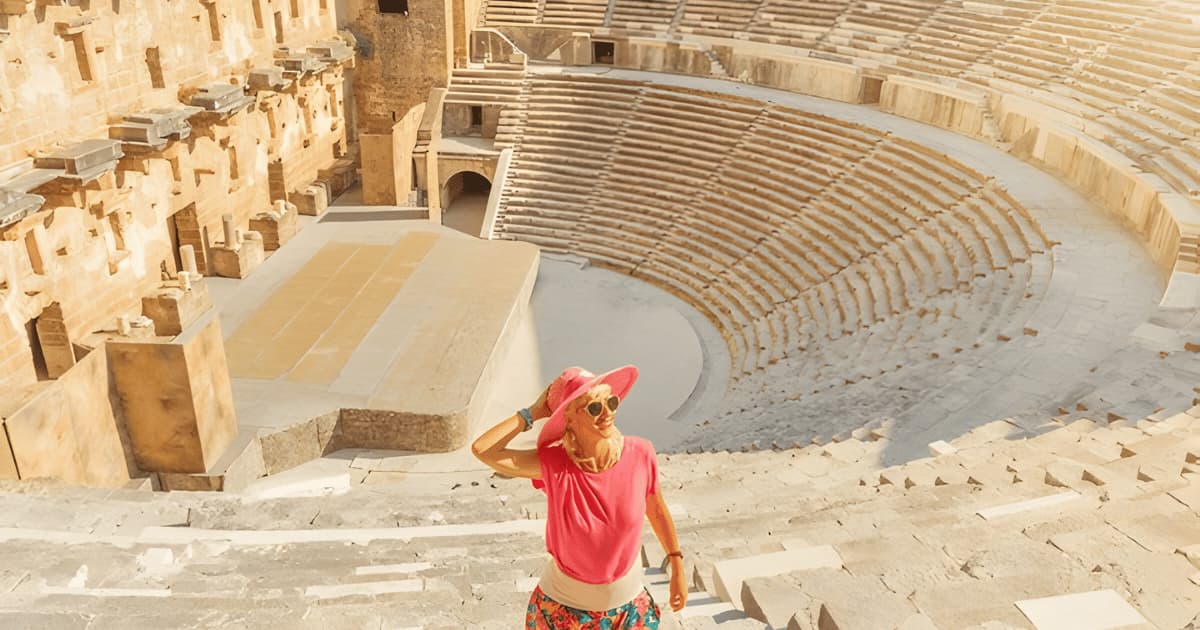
x=492 y=447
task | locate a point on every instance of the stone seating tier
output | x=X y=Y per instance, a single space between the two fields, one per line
x=581 y=13
x=740 y=226
x=971 y=536
x=1115 y=60
x=499 y=12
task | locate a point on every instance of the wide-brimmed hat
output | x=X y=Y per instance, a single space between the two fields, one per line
x=573 y=383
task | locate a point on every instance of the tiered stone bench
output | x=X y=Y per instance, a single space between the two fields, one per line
x=1101 y=93
x=999 y=527
x=770 y=222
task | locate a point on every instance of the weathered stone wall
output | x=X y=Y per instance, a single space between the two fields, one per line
x=1159 y=215
x=98 y=245
x=806 y=75
x=409 y=55
x=180 y=419
x=68 y=429
x=67 y=71
x=956 y=109
x=387 y=161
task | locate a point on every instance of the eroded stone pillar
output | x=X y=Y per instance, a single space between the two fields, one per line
x=177 y=398
x=187 y=255
x=230 y=234
x=55 y=342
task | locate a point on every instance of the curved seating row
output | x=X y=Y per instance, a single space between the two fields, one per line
x=1128 y=67
x=792 y=232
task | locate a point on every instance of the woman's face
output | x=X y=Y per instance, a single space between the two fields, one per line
x=581 y=420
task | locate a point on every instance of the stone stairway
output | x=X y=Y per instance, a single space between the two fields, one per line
x=1001 y=525
x=718 y=68
x=486 y=84
x=998 y=526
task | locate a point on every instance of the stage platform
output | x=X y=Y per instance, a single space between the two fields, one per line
x=396 y=325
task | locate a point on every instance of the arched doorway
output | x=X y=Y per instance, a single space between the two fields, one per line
x=466 y=196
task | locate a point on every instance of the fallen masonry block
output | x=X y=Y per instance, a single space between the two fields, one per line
x=277 y=225
x=16 y=205
x=728 y=575
x=270 y=79
x=297 y=65
x=1025 y=506
x=222 y=99
x=940 y=447
x=772 y=600
x=1095 y=610
x=154 y=129
x=176 y=305
x=332 y=52
x=313 y=201
x=84 y=161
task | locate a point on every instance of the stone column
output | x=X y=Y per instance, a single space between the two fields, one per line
x=230 y=234
x=187 y=254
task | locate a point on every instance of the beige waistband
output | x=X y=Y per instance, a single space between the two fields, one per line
x=565 y=589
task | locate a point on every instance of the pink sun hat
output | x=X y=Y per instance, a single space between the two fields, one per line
x=573 y=383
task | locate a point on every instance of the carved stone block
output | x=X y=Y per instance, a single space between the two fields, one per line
x=313 y=200
x=154 y=129
x=173 y=308
x=277 y=226
x=239 y=261
x=84 y=161
x=222 y=99
x=270 y=79
x=15 y=205
x=332 y=52
x=301 y=64
x=177 y=398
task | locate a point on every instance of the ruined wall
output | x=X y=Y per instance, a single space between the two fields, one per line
x=69 y=430
x=67 y=70
x=409 y=55
x=93 y=244
x=387 y=163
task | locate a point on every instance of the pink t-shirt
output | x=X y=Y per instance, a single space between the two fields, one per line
x=594 y=520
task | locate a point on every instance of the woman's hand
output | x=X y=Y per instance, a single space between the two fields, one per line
x=679 y=587
x=540 y=408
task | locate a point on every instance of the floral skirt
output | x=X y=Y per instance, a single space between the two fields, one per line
x=546 y=614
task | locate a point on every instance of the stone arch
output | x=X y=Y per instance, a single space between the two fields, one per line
x=454 y=184
x=464 y=197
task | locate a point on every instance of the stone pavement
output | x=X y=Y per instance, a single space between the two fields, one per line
x=346 y=312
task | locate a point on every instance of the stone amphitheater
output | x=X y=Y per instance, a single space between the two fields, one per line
x=913 y=287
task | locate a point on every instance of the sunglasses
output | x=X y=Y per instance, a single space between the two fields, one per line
x=594 y=408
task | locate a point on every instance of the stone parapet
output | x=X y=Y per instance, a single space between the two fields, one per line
x=956 y=109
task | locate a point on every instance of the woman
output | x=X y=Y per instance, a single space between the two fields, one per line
x=598 y=485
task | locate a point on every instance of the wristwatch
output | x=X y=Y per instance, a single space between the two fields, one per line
x=527 y=417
